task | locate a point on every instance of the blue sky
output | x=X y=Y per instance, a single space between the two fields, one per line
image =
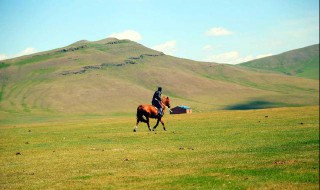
x=230 y=31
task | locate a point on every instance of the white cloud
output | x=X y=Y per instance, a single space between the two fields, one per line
x=127 y=34
x=233 y=57
x=27 y=51
x=168 y=47
x=263 y=55
x=207 y=48
x=218 y=31
x=227 y=57
x=3 y=57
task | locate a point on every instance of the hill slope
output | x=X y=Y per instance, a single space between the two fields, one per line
x=302 y=62
x=115 y=76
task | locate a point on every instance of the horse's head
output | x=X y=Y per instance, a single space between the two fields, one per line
x=166 y=101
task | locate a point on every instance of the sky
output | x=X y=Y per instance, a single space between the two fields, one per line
x=232 y=31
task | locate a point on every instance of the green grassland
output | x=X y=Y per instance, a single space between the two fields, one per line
x=255 y=149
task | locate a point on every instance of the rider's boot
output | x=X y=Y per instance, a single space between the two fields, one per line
x=160 y=114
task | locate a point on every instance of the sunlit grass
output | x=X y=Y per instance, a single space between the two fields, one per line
x=260 y=149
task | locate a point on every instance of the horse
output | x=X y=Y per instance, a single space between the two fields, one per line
x=149 y=111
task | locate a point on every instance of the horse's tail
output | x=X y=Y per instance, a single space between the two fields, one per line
x=140 y=113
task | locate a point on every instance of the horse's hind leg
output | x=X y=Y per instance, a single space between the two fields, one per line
x=164 y=128
x=148 y=124
x=136 y=127
x=154 y=128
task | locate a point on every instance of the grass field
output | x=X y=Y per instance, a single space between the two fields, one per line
x=253 y=149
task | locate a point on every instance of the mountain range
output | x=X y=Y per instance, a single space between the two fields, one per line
x=114 y=76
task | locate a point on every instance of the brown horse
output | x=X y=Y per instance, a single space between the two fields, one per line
x=149 y=111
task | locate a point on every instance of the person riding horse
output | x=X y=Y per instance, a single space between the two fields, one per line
x=156 y=101
x=145 y=112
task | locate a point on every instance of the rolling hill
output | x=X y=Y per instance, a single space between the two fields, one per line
x=302 y=62
x=114 y=76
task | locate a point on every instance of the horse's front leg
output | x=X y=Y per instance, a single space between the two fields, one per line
x=154 y=128
x=164 y=128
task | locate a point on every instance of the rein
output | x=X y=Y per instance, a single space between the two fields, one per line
x=166 y=106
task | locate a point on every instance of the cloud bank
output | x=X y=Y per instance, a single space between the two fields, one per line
x=127 y=34
x=233 y=57
x=27 y=51
x=218 y=31
x=168 y=47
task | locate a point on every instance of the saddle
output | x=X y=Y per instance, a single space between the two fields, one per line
x=155 y=107
x=158 y=112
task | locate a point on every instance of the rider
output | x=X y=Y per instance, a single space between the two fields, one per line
x=156 y=101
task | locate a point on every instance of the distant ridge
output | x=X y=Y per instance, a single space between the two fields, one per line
x=80 y=42
x=103 y=41
x=303 y=62
x=112 y=76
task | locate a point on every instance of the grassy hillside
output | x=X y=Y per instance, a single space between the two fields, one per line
x=217 y=150
x=302 y=62
x=113 y=77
